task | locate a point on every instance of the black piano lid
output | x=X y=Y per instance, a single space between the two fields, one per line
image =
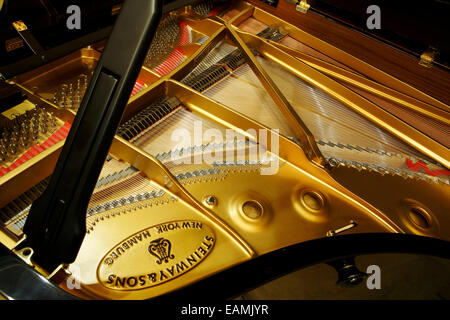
x=413 y=26
x=410 y=25
x=46 y=21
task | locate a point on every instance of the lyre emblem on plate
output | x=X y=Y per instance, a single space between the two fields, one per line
x=160 y=248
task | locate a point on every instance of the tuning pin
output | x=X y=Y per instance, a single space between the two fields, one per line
x=45 y=117
x=23 y=128
x=15 y=131
x=12 y=146
x=55 y=98
x=70 y=102
x=3 y=155
x=77 y=98
x=44 y=127
x=52 y=120
x=78 y=92
x=35 y=131
x=63 y=95
x=63 y=90
x=34 y=120
x=85 y=81
x=23 y=141
x=3 y=147
x=5 y=135
x=71 y=96
x=26 y=117
x=43 y=124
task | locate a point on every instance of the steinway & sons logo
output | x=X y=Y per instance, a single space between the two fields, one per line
x=156 y=255
x=160 y=248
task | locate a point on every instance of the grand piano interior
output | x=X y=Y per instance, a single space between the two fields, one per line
x=252 y=126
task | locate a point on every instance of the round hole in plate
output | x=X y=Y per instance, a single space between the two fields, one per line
x=313 y=200
x=26 y=252
x=252 y=209
x=419 y=217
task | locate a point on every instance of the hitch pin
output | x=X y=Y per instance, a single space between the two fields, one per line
x=347 y=227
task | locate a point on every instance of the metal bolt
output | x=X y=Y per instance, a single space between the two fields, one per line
x=210 y=201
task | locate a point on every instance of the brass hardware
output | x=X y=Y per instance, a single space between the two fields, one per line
x=13 y=44
x=302 y=6
x=340 y=230
x=19 y=25
x=210 y=201
x=25 y=254
x=116 y=9
x=427 y=58
x=333 y=162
